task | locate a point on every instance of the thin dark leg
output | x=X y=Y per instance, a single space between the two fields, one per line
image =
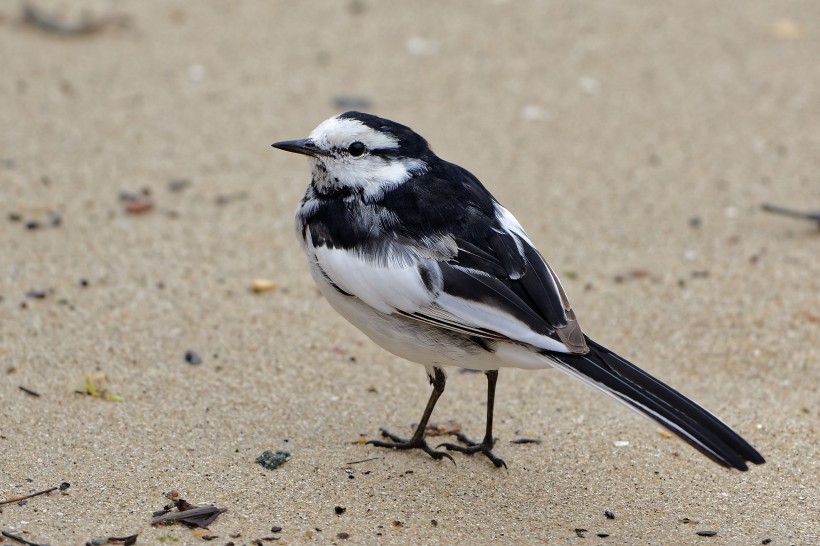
x=486 y=445
x=417 y=440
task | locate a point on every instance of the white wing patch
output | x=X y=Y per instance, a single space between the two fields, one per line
x=393 y=286
x=479 y=315
x=509 y=223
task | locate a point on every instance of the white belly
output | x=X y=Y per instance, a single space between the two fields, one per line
x=421 y=342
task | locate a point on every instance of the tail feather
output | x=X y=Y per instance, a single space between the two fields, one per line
x=614 y=375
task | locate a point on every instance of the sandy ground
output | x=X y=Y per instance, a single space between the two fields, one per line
x=636 y=143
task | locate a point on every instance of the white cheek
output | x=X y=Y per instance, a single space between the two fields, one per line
x=376 y=176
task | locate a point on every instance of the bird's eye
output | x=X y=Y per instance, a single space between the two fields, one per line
x=356 y=149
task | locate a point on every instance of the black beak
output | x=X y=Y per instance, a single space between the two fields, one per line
x=304 y=147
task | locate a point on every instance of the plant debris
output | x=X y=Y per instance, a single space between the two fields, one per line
x=706 y=533
x=187 y=513
x=29 y=391
x=52 y=219
x=62 y=487
x=441 y=429
x=665 y=433
x=21 y=540
x=632 y=274
x=364 y=460
x=96 y=385
x=137 y=203
x=272 y=460
x=813 y=216
x=263 y=285
x=525 y=441
x=579 y=532
x=130 y=540
x=37 y=294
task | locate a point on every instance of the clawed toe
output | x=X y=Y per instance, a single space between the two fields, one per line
x=398 y=442
x=472 y=447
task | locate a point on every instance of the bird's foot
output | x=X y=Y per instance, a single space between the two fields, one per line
x=401 y=443
x=471 y=447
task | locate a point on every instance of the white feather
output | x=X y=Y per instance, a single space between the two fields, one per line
x=373 y=174
x=338 y=131
x=398 y=286
x=394 y=286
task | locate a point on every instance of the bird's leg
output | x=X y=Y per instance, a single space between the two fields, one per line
x=486 y=445
x=417 y=441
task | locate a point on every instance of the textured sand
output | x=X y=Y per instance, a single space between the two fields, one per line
x=635 y=142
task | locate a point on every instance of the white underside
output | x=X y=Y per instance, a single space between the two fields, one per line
x=425 y=344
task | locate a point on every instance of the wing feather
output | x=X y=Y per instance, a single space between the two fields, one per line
x=495 y=285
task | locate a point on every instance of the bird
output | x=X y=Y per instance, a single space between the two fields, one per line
x=417 y=254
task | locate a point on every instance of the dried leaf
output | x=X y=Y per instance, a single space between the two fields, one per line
x=197 y=517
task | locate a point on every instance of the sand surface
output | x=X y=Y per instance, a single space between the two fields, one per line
x=635 y=142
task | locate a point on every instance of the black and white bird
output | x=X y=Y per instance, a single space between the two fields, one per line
x=417 y=254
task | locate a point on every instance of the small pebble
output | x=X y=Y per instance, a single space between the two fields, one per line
x=192 y=358
x=272 y=460
x=707 y=533
x=275 y=529
x=609 y=514
x=339 y=509
x=343 y=535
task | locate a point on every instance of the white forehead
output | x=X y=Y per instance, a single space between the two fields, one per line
x=342 y=132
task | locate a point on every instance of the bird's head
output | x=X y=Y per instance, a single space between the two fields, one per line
x=362 y=153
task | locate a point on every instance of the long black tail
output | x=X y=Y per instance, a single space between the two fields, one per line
x=607 y=371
